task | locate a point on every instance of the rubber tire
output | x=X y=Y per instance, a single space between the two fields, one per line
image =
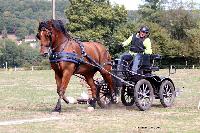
x=161 y=91
x=151 y=94
x=123 y=99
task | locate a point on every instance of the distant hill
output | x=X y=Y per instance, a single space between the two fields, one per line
x=21 y=17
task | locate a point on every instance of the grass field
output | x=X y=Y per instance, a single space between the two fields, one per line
x=32 y=94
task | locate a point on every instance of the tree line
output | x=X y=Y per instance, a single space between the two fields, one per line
x=19 y=56
x=21 y=17
x=175 y=27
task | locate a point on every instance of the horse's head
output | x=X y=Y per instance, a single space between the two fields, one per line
x=48 y=34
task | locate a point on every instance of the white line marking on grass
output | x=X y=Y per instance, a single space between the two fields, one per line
x=18 y=122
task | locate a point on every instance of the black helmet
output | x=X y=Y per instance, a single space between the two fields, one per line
x=144 y=29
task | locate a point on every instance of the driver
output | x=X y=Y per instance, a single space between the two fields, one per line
x=140 y=44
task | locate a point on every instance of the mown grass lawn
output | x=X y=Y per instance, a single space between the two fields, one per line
x=32 y=94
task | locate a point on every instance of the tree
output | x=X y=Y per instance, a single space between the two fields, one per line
x=22 y=32
x=151 y=10
x=178 y=25
x=23 y=15
x=95 y=20
x=4 y=33
x=29 y=56
x=19 y=56
x=10 y=52
x=171 y=36
x=183 y=29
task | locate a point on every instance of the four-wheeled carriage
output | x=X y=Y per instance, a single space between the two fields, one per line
x=138 y=88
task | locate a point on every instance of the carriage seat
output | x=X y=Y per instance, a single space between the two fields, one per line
x=147 y=62
x=155 y=57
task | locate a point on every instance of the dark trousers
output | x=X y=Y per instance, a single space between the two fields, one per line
x=127 y=57
x=124 y=58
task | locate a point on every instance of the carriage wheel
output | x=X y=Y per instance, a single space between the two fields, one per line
x=143 y=94
x=167 y=93
x=103 y=94
x=127 y=95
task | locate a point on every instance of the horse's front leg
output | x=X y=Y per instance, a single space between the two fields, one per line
x=58 y=82
x=62 y=81
x=58 y=78
x=90 y=81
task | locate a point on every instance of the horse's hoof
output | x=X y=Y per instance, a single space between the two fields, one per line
x=57 y=110
x=90 y=109
x=92 y=103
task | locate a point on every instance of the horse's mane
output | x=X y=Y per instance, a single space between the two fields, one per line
x=58 y=24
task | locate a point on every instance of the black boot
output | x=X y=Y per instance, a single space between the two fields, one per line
x=92 y=102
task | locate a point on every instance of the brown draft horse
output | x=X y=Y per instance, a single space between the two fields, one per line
x=68 y=57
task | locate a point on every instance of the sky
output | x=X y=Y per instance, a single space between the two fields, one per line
x=129 y=4
x=133 y=4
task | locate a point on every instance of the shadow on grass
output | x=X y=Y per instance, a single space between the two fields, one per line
x=48 y=108
x=157 y=106
x=69 y=108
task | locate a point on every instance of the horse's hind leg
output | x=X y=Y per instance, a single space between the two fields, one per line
x=90 y=81
x=108 y=79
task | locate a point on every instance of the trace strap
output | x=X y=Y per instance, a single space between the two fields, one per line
x=56 y=57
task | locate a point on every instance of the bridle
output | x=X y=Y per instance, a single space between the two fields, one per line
x=50 y=46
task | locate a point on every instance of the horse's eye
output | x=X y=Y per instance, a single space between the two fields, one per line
x=47 y=35
x=38 y=36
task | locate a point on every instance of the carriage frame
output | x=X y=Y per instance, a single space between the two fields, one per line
x=139 y=88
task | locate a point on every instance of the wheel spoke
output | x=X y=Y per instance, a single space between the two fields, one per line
x=147 y=92
x=169 y=90
x=140 y=97
x=128 y=98
x=145 y=88
x=165 y=89
x=140 y=94
x=140 y=90
x=101 y=96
